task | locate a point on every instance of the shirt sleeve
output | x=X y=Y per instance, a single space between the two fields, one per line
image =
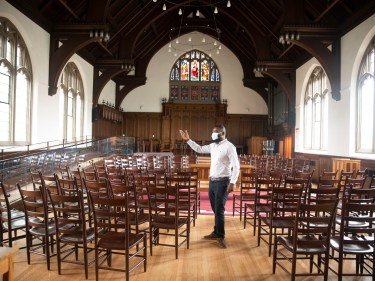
x=233 y=158
x=199 y=148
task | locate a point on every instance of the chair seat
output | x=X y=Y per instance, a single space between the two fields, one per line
x=14 y=214
x=302 y=248
x=41 y=231
x=167 y=223
x=116 y=240
x=77 y=237
x=349 y=248
x=15 y=224
x=279 y=223
x=354 y=224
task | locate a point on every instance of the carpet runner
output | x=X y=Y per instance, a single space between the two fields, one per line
x=206 y=206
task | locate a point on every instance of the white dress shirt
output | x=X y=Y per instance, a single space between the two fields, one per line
x=224 y=158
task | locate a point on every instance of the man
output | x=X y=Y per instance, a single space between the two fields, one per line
x=224 y=171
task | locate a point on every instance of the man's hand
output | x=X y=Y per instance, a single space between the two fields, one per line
x=230 y=187
x=184 y=135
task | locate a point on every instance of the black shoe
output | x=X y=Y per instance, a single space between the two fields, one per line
x=211 y=236
x=222 y=243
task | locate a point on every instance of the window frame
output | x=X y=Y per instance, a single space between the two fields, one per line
x=364 y=73
x=16 y=58
x=317 y=87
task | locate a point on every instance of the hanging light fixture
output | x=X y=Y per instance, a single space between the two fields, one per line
x=177 y=41
x=170 y=45
x=220 y=47
x=164 y=7
x=155 y=1
x=189 y=39
x=204 y=39
x=216 y=10
x=215 y=43
x=197 y=14
x=228 y=4
x=180 y=12
x=217 y=51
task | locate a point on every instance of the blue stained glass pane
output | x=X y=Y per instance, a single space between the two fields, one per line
x=177 y=74
x=202 y=56
x=217 y=75
x=172 y=75
x=212 y=64
x=192 y=54
x=213 y=75
x=198 y=55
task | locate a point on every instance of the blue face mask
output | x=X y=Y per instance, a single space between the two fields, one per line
x=215 y=136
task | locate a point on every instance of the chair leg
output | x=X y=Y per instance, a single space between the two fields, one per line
x=96 y=263
x=274 y=258
x=240 y=209
x=270 y=241
x=294 y=267
x=234 y=205
x=58 y=256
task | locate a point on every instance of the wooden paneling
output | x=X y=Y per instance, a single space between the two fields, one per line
x=198 y=119
x=324 y=162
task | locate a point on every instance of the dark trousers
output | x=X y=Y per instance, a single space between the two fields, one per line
x=218 y=197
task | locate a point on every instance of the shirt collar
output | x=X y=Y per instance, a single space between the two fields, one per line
x=220 y=142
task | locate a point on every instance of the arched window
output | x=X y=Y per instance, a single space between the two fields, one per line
x=366 y=102
x=15 y=86
x=71 y=87
x=316 y=110
x=194 y=77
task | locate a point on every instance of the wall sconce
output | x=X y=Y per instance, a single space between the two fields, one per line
x=288 y=37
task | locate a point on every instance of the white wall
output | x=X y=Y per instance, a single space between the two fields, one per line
x=147 y=98
x=46 y=119
x=341 y=114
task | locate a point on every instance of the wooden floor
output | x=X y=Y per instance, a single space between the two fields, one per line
x=242 y=260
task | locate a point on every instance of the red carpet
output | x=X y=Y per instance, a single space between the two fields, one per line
x=206 y=206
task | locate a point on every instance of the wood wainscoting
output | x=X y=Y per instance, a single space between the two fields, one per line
x=326 y=162
x=198 y=119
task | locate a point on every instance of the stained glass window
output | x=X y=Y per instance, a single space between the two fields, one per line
x=195 y=77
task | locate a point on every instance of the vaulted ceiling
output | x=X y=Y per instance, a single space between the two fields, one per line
x=273 y=37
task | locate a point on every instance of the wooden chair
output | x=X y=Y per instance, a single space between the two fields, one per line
x=283 y=208
x=137 y=217
x=329 y=175
x=49 y=182
x=309 y=239
x=12 y=220
x=247 y=194
x=38 y=224
x=113 y=236
x=356 y=238
x=165 y=217
x=194 y=189
x=187 y=206
x=72 y=233
x=263 y=197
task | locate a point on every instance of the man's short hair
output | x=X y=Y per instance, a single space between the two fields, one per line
x=221 y=127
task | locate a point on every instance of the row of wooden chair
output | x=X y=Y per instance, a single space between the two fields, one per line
x=298 y=219
x=69 y=196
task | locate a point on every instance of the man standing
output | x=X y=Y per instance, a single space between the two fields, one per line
x=224 y=171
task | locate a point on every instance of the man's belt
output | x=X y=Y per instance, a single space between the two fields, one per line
x=219 y=178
